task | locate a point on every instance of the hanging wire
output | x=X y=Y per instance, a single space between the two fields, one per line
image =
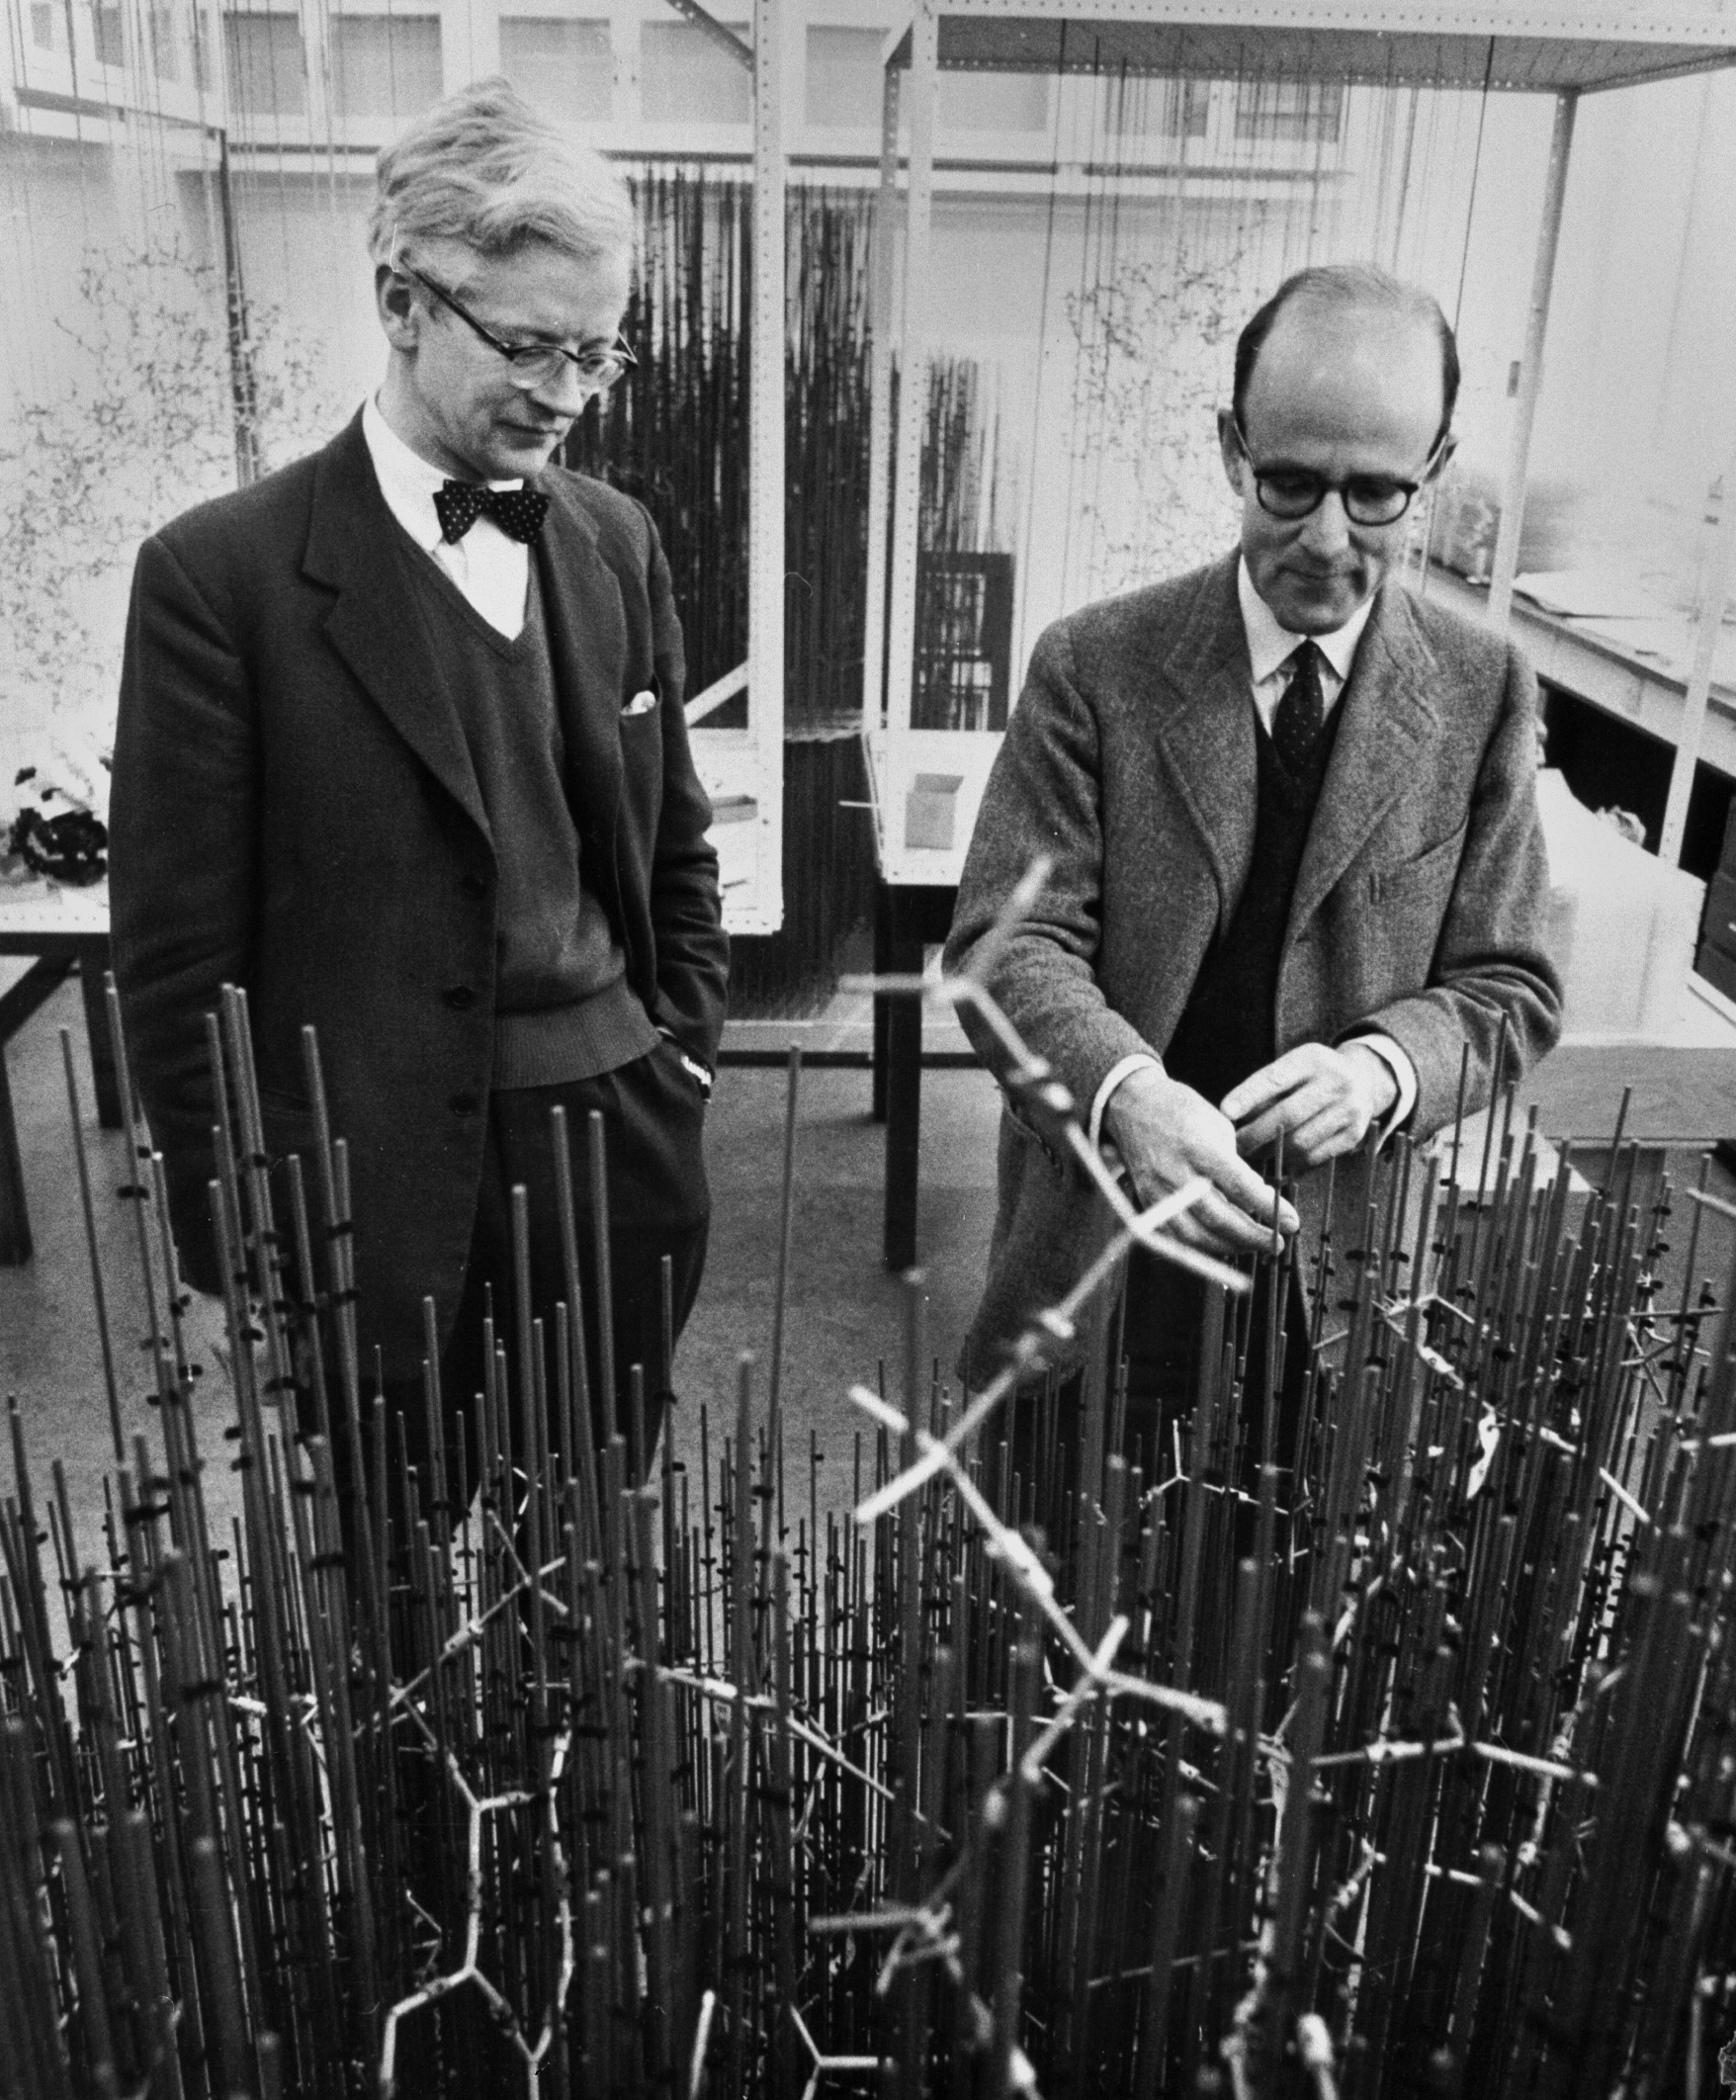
x=1033 y=476
x=1425 y=534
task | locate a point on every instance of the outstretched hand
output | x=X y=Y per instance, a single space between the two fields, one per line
x=1166 y=1134
x=1323 y=1100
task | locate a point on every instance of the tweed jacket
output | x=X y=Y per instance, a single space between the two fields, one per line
x=295 y=812
x=1131 y=760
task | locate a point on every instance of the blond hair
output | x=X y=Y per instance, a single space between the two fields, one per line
x=486 y=169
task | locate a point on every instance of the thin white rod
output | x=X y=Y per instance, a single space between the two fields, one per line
x=912 y=402
x=880 y=404
x=715 y=695
x=1531 y=378
x=1709 y=623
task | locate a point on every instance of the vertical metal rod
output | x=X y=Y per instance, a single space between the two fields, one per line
x=785 y=1227
x=97 y=1293
x=1530 y=377
x=765 y=489
x=1709 y=625
x=879 y=282
x=907 y=502
x=603 y=1262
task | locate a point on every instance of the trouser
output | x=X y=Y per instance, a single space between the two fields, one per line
x=1166 y=1335
x=658 y=1207
x=1162 y=1337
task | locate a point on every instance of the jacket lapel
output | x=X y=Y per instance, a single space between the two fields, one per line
x=1205 y=732
x=587 y=642
x=1388 y=719
x=374 y=627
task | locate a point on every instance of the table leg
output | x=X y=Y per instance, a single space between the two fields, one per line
x=15 y=1239
x=883 y=916
x=93 y=962
x=903 y=1093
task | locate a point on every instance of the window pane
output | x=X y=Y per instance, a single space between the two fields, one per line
x=1138 y=107
x=1290 y=111
x=164 y=55
x=111 y=41
x=41 y=25
x=265 y=64
x=845 y=80
x=992 y=102
x=385 y=66
x=685 y=78
x=567 y=68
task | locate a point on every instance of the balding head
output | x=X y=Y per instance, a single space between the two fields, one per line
x=1359 y=292
x=1344 y=393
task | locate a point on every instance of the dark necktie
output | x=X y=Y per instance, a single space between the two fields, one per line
x=519 y=512
x=1301 y=712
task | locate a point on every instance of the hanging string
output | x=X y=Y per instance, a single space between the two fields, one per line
x=1426 y=535
x=1458 y=300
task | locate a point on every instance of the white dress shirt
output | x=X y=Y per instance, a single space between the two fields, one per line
x=492 y=569
x=1270 y=649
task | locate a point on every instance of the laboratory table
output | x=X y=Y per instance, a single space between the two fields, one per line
x=62 y=929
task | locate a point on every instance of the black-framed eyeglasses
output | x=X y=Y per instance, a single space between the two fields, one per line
x=1293 y=492
x=598 y=365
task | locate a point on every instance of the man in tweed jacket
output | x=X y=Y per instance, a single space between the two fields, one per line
x=1297 y=864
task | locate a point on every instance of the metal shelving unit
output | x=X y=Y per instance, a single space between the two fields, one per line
x=1555 y=50
x=1564 y=52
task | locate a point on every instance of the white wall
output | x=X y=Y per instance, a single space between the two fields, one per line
x=114 y=415
x=1637 y=413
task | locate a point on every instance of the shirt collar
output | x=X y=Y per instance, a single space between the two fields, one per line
x=1269 y=644
x=406 y=480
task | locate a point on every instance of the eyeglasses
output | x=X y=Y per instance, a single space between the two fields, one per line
x=598 y=365
x=1292 y=493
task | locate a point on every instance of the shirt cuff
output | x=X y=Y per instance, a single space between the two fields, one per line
x=1112 y=1079
x=1398 y=1063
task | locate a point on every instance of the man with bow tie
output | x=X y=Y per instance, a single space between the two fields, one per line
x=401 y=752
x=1298 y=866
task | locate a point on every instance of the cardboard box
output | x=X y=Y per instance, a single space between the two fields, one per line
x=931 y=811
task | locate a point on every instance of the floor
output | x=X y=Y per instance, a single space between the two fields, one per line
x=845 y=1312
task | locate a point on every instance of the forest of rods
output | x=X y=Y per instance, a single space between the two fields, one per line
x=1411 y=1771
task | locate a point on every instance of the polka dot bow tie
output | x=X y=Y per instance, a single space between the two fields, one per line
x=519 y=512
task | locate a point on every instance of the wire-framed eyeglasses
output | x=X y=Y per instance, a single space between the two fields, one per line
x=1293 y=492
x=598 y=365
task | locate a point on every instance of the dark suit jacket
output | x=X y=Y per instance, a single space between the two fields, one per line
x=295 y=812
x=1131 y=760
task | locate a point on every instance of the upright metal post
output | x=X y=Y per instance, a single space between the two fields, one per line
x=765 y=487
x=243 y=384
x=880 y=404
x=1720 y=580
x=1530 y=375
x=913 y=394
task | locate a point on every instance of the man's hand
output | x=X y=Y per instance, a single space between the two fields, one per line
x=1323 y=1100
x=1166 y=1134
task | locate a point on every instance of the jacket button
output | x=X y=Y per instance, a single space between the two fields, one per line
x=463 y=1104
x=460 y=997
x=473 y=885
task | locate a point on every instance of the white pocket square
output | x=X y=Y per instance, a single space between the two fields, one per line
x=641 y=703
